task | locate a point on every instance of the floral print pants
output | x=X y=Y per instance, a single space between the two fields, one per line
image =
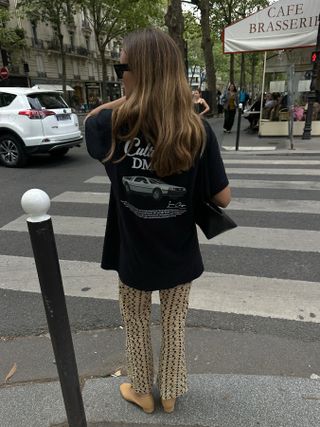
x=135 y=307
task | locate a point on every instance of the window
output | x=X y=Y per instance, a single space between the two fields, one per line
x=34 y=31
x=40 y=64
x=91 y=72
x=71 y=34
x=6 y=99
x=50 y=100
x=88 y=43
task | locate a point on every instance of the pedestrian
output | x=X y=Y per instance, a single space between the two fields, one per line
x=219 y=103
x=230 y=104
x=200 y=105
x=153 y=144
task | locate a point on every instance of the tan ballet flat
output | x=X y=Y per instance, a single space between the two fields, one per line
x=145 y=401
x=168 y=405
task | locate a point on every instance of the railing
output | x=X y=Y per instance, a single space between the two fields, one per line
x=37 y=43
x=92 y=78
x=82 y=51
x=53 y=45
x=42 y=74
x=76 y=77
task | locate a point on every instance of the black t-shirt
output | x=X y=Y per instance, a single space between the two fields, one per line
x=151 y=237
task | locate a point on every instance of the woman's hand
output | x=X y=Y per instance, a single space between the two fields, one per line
x=107 y=106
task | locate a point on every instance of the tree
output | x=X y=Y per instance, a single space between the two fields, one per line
x=11 y=39
x=207 y=46
x=56 y=13
x=112 y=19
x=192 y=36
x=174 y=20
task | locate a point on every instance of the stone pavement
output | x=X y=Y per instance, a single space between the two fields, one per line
x=237 y=379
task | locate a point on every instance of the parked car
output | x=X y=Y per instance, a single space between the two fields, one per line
x=152 y=187
x=35 y=121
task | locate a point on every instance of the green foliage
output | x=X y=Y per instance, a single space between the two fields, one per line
x=10 y=38
x=55 y=12
x=111 y=19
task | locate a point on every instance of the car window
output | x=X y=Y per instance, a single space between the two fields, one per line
x=50 y=100
x=6 y=99
x=154 y=181
x=140 y=179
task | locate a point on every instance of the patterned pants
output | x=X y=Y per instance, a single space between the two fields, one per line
x=135 y=306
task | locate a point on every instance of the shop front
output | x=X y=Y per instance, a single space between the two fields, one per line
x=287 y=32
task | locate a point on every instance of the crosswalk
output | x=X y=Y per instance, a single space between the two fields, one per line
x=258 y=269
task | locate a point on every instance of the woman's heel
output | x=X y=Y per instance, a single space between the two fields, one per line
x=168 y=405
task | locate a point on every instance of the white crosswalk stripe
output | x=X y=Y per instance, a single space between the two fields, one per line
x=250 y=237
x=217 y=292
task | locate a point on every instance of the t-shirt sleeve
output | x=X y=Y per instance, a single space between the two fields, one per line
x=98 y=134
x=211 y=162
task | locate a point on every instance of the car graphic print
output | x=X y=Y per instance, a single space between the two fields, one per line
x=151 y=187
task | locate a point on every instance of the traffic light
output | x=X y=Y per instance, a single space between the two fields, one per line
x=315 y=56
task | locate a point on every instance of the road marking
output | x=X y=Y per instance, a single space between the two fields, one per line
x=275 y=171
x=245 y=204
x=280 y=185
x=245 y=237
x=249 y=148
x=229 y=293
x=271 y=162
x=103 y=179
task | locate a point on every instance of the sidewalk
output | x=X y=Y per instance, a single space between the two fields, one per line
x=236 y=380
x=251 y=143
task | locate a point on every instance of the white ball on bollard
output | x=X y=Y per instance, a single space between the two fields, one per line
x=36 y=203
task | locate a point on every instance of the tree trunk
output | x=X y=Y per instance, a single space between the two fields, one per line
x=253 y=69
x=175 y=22
x=207 y=46
x=63 y=62
x=242 y=72
x=104 y=85
x=192 y=74
x=231 y=71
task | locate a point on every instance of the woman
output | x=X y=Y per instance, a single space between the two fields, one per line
x=230 y=104
x=150 y=143
x=200 y=105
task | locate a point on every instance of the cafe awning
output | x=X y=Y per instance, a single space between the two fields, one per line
x=285 y=24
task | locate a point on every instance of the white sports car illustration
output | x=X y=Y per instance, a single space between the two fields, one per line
x=151 y=186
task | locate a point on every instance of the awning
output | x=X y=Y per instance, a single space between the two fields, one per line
x=285 y=24
x=55 y=88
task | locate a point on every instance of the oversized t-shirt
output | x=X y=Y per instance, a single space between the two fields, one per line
x=151 y=237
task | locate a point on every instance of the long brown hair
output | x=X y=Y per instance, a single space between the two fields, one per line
x=160 y=105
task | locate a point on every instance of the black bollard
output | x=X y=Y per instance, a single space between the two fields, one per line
x=36 y=203
x=238 y=126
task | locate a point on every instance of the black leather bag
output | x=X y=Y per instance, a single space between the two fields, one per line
x=210 y=218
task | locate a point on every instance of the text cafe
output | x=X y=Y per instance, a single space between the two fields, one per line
x=287 y=32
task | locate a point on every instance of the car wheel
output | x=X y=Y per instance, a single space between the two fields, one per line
x=157 y=194
x=60 y=152
x=127 y=187
x=12 y=154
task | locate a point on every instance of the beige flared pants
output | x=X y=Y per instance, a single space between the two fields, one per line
x=135 y=307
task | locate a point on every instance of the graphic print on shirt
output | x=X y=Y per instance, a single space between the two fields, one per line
x=151 y=187
x=147 y=196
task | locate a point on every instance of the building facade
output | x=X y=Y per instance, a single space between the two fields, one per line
x=39 y=63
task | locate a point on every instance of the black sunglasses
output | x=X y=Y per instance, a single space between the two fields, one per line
x=120 y=69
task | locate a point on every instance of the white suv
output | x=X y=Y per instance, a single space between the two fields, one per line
x=35 y=121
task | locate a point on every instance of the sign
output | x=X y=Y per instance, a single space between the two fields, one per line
x=277 y=86
x=285 y=24
x=4 y=73
x=304 y=85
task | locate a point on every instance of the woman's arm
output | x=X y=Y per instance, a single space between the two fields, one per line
x=207 y=108
x=223 y=198
x=108 y=106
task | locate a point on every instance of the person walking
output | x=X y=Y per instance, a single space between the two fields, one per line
x=200 y=105
x=230 y=104
x=153 y=145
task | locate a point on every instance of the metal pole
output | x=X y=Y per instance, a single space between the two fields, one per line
x=312 y=95
x=238 y=125
x=262 y=88
x=37 y=202
x=290 y=104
